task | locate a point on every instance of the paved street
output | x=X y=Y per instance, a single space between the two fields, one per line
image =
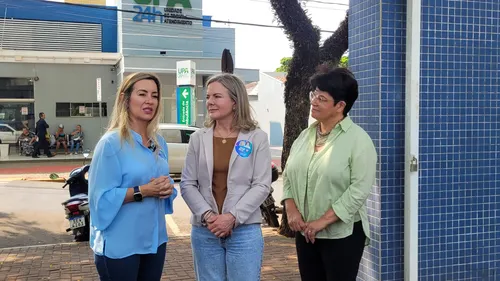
x=31 y=215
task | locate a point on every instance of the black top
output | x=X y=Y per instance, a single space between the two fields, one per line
x=41 y=128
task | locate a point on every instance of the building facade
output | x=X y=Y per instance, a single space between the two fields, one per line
x=171 y=31
x=50 y=57
x=52 y=54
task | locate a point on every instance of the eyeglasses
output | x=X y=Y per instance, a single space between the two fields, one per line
x=314 y=95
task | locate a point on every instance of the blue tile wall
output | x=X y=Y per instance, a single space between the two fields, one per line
x=459 y=206
x=392 y=92
x=364 y=61
x=459 y=192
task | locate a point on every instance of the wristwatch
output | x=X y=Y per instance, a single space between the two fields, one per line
x=137 y=194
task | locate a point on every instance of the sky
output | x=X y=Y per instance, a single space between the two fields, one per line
x=259 y=47
x=262 y=48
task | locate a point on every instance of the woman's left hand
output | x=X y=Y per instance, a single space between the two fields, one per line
x=312 y=228
x=222 y=225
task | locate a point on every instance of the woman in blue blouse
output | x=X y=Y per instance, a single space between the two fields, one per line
x=129 y=188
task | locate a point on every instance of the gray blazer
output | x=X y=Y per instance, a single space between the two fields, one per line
x=248 y=181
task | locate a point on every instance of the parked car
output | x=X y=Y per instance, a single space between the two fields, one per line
x=8 y=134
x=177 y=138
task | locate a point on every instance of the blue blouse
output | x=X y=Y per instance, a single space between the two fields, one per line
x=120 y=230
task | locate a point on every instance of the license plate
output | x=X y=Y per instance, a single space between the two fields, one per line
x=77 y=222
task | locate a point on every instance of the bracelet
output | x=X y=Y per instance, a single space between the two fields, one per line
x=205 y=216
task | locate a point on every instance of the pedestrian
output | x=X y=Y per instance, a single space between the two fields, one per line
x=129 y=186
x=226 y=177
x=42 y=134
x=327 y=180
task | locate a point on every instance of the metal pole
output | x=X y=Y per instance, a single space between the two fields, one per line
x=413 y=19
x=100 y=117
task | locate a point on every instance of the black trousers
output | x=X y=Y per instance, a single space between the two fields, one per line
x=133 y=268
x=41 y=144
x=331 y=259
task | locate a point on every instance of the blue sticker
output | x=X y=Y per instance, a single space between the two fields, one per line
x=243 y=148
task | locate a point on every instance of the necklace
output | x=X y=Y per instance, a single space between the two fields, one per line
x=224 y=138
x=321 y=138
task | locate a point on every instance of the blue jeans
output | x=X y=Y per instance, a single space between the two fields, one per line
x=72 y=145
x=133 y=268
x=234 y=258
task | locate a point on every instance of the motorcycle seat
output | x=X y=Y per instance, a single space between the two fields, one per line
x=77 y=197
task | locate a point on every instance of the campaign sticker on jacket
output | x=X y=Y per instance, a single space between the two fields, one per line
x=243 y=148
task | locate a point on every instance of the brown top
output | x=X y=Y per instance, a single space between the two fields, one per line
x=222 y=155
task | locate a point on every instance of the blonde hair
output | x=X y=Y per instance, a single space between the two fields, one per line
x=120 y=118
x=243 y=117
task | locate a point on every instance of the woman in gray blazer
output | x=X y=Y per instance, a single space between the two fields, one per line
x=226 y=177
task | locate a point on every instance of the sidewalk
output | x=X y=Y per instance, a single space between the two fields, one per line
x=74 y=261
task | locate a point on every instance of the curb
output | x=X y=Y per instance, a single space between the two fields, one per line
x=32 y=179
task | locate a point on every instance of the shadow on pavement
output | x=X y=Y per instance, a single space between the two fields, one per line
x=75 y=261
x=16 y=232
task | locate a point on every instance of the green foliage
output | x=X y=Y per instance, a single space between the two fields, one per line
x=285 y=64
x=344 y=61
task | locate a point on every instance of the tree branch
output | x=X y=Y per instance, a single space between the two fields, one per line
x=298 y=26
x=299 y=29
x=335 y=46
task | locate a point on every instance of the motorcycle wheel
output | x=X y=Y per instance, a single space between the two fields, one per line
x=270 y=216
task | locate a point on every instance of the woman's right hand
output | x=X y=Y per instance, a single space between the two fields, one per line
x=160 y=187
x=295 y=220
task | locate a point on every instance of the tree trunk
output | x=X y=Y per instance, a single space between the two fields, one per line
x=307 y=55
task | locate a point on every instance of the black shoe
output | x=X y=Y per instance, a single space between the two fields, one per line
x=50 y=155
x=35 y=156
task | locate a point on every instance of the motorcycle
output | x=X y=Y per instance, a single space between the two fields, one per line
x=77 y=206
x=268 y=208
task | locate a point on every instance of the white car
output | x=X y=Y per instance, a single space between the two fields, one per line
x=8 y=134
x=177 y=138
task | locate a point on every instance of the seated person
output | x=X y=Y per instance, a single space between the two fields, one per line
x=76 y=139
x=26 y=141
x=61 y=138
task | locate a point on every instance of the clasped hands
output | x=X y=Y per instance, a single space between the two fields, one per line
x=220 y=225
x=158 y=187
x=310 y=229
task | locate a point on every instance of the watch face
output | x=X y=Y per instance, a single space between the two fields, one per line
x=137 y=197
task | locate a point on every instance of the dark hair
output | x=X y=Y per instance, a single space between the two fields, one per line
x=40 y=114
x=339 y=83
